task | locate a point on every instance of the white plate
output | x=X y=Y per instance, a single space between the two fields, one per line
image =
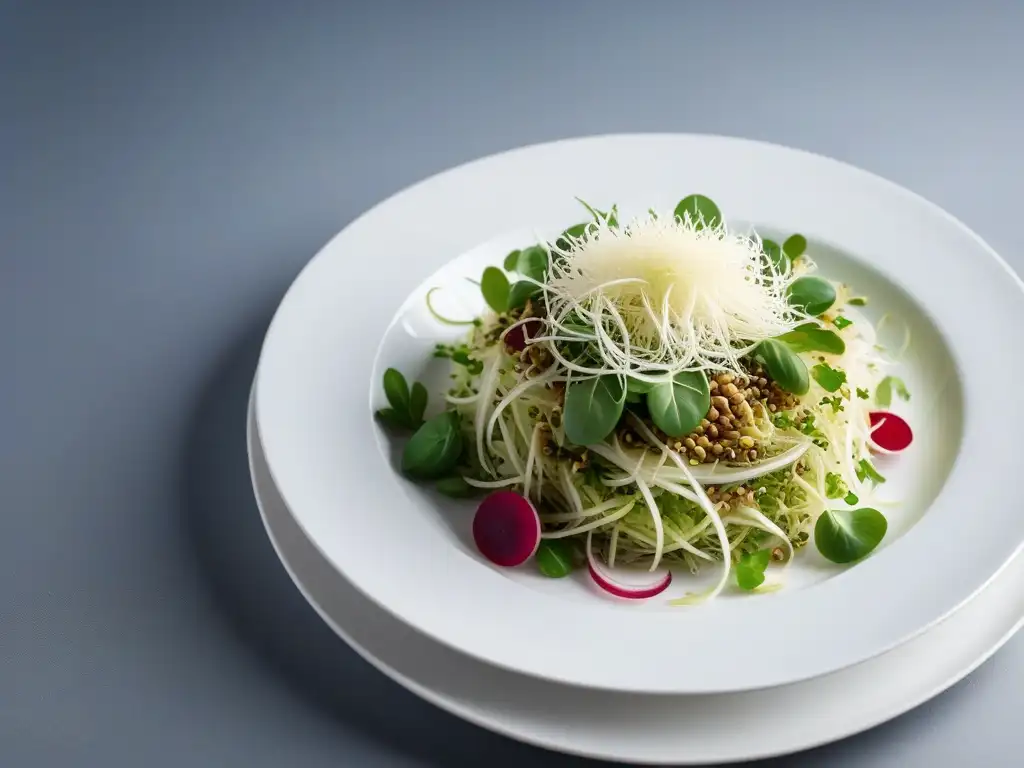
x=637 y=728
x=353 y=311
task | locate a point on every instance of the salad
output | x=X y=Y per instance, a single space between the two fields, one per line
x=660 y=394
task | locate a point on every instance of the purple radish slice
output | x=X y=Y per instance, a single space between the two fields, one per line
x=626 y=584
x=518 y=336
x=506 y=528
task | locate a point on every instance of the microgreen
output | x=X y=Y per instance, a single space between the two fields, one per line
x=521 y=292
x=835 y=486
x=783 y=365
x=851 y=498
x=810 y=338
x=592 y=408
x=863 y=394
x=782 y=420
x=511 y=261
x=554 y=558
x=846 y=535
x=459 y=354
x=835 y=401
x=841 y=322
x=858 y=301
x=779 y=260
x=455 y=487
x=407 y=405
x=677 y=406
x=808 y=428
x=701 y=210
x=866 y=471
x=794 y=246
x=751 y=567
x=812 y=295
x=434 y=449
x=830 y=379
x=495 y=288
x=609 y=217
x=533 y=263
x=888 y=385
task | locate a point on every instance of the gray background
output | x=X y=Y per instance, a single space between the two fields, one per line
x=165 y=170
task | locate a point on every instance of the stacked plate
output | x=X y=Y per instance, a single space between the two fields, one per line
x=392 y=567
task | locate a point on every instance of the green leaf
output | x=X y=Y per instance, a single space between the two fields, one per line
x=576 y=231
x=391 y=418
x=599 y=216
x=846 y=535
x=396 y=389
x=701 y=210
x=812 y=295
x=677 y=406
x=554 y=558
x=511 y=261
x=851 y=498
x=455 y=487
x=533 y=263
x=417 y=403
x=495 y=288
x=835 y=487
x=888 y=385
x=859 y=301
x=863 y=394
x=751 y=567
x=592 y=409
x=638 y=386
x=810 y=338
x=784 y=366
x=866 y=471
x=830 y=379
x=434 y=449
x=841 y=322
x=775 y=255
x=794 y=246
x=520 y=292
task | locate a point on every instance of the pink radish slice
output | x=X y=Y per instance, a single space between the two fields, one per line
x=618 y=584
x=519 y=335
x=890 y=432
x=506 y=528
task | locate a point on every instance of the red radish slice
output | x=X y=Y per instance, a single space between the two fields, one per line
x=621 y=584
x=518 y=336
x=890 y=432
x=506 y=528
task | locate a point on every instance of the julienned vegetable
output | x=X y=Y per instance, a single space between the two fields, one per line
x=659 y=392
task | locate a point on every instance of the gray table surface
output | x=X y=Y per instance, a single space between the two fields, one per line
x=165 y=171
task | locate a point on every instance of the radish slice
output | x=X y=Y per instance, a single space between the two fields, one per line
x=506 y=528
x=518 y=336
x=618 y=584
x=890 y=432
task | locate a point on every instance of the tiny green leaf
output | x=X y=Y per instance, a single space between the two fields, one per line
x=495 y=288
x=794 y=246
x=830 y=379
x=784 y=366
x=638 y=386
x=455 y=487
x=677 y=406
x=701 y=210
x=810 y=338
x=858 y=301
x=576 y=231
x=390 y=418
x=751 y=567
x=554 y=558
x=434 y=449
x=592 y=409
x=835 y=487
x=812 y=295
x=417 y=403
x=863 y=394
x=396 y=389
x=841 y=322
x=888 y=385
x=846 y=535
x=533 y=263
x=851 y=498
x=511 y=261
x=520 y=292
x=866 y=471
x=775 y=255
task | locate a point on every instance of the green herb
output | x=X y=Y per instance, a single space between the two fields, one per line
x=846 y=535
x=866 y=471
x=677 y=406
x=788 y=370
x=888 y=385
x=774 y=253
x=835 y=401
x=812 y=295
x=434 y=449
x=810 y=338
x=417 y=403
x=808 y=428
x=533 y=263
x=459 y=354
x=407 y=407
x=863 y=394
x=554 y=558
x=455 y=487
x=841 y=322
x=782 y=420
x=699 y=209
x=511 y=261
x=851 y=498
x=858 y=301
x=830 y=379
x=521 y=292
x=495 y=288
x=751 y=567
x=835 y=486
x=794 y=246
x=592 y=409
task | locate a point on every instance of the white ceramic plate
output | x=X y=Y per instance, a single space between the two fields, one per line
x=636 y=728
x=357 y=309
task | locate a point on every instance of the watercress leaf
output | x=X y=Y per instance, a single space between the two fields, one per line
x=775 y=255
x=511 y=261
x=812 y=295
x=701 y=210
x=533 y=262
x=495 y=288
x=554 y=558
x=886 y=387
x=830 y=379
x=396 y=389
x=784 y=366
x=417 y=403
x=520 y=292
x=592 y=409
x=391 y=418
x=810 y=338
x=455 y=487
x=434 y=448
x=751 y=567
x=846 y=535
x=677 y=406
x=794 y=246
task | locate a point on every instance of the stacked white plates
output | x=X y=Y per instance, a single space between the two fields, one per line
x=391 y=568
